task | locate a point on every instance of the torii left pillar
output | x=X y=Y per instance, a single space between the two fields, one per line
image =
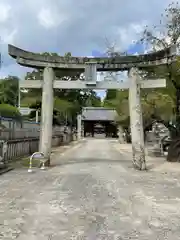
x=79 y=124
x=47 y=112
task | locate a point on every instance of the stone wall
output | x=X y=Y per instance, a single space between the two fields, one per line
x=13 y=134
x=14 y=124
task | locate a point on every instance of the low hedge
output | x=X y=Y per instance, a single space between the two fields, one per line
x=10 y=111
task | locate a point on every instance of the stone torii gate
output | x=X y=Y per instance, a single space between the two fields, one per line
x=52 y=64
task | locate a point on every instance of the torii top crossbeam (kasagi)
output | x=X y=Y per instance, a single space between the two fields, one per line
x=38 y=60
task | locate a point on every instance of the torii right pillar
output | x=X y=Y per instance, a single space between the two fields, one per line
x=136 y=122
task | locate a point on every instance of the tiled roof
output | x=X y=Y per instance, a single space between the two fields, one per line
x=99 y=114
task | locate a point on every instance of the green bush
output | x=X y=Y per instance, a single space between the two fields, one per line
x=9 y=111
x=2 y=126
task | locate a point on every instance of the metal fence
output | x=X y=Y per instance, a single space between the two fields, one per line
x=24 y=147
x=13 y=149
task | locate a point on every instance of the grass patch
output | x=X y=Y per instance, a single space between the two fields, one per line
x=24 y=162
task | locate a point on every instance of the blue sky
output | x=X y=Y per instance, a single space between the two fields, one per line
x=136 y=48
x=132 y=49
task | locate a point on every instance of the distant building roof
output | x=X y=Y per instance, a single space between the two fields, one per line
x=98 y=114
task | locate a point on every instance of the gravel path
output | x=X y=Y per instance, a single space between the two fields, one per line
x=92 y=193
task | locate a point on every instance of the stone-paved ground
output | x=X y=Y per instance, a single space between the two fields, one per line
x=92 y=194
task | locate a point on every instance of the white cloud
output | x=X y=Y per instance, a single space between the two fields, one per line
x=49 y=19
x=73 y=26
x=8 y=37
x=46 y=18
x=4 y=12
x=138 y=27
x=130 y=34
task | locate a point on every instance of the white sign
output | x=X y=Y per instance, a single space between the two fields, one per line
x=25 y=111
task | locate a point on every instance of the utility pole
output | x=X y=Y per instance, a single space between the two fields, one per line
x=0 y=54
x=0 y=68
x=19 y=95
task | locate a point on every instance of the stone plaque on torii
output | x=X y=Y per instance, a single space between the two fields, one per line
x=90 y=66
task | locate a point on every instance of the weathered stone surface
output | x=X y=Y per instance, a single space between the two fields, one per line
x=136 y=121
x=94 y=193
x=31 y=59
x=47 y=112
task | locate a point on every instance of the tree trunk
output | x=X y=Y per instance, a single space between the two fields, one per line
x=178 y=109
x=174 y=148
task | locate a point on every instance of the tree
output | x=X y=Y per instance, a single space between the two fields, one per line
x=163 y=36
x=111 y=94
x=155 y=105
x=9 y=90
x=121 y=104
x=9 y=111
